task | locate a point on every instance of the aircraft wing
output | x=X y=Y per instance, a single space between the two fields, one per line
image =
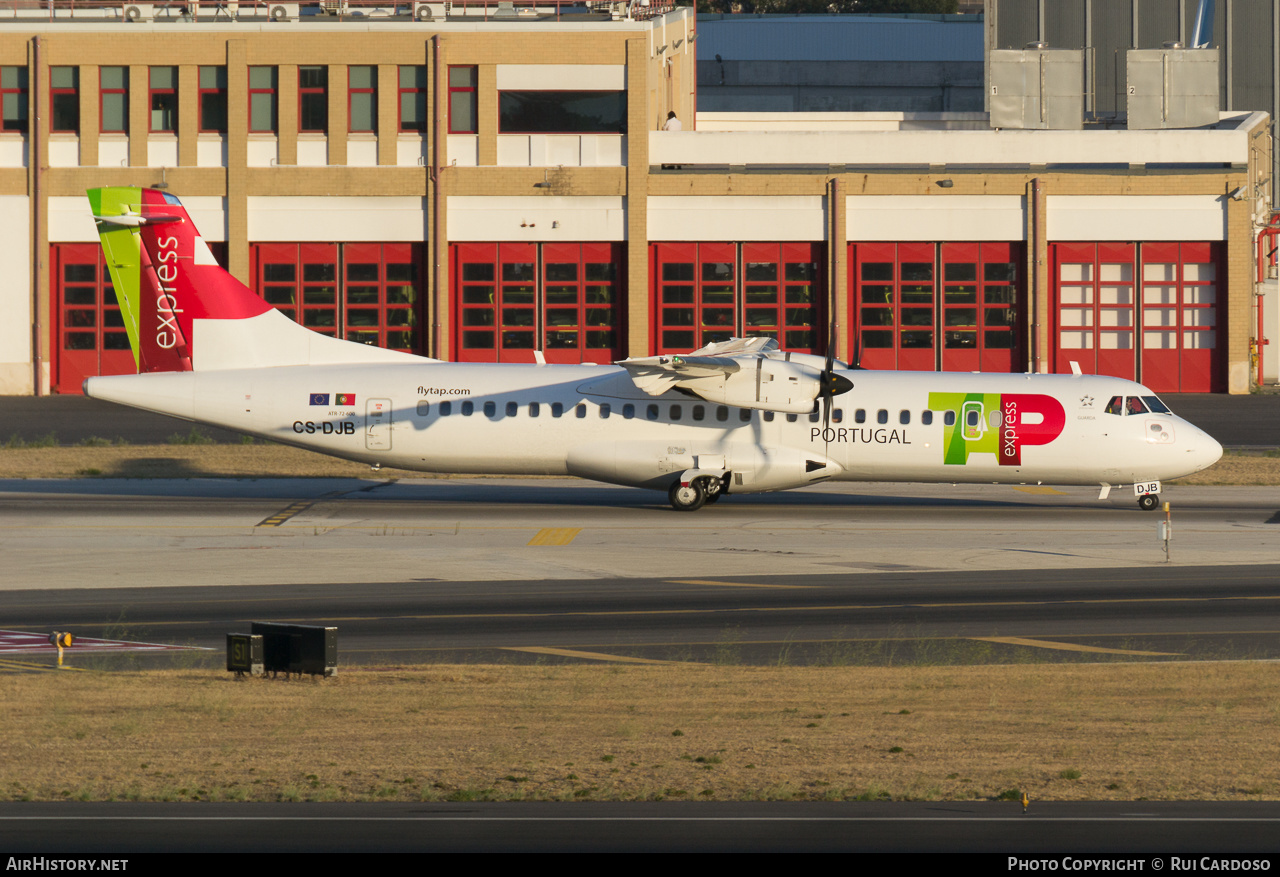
x=735 y=372
x=657 y=374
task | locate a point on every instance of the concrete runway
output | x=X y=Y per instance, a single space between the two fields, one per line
x=513 y=570
x=518 y=569
x=114 y=533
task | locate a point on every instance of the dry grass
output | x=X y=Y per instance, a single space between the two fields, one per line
x=1121 y=732
x=266 y=460
x=1261 y=469
x=259 y=460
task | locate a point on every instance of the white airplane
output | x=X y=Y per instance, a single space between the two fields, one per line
x=739 y=416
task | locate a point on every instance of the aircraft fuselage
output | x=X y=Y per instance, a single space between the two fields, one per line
x=593 y=422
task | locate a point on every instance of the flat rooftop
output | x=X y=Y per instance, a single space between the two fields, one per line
x=327 y=12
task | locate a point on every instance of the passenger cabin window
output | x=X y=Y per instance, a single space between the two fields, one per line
x=699 y=412
x=860 y=416
x=468 y=408
x=792 y=418
x=904 y=417
x=424 y=408
x=722 y=413
x=512 y=409
x=604 y=411
x=837 y=416
x=675 y=412
x=557 y=409
x=768 y=417
x=534 y=408
x=744 y=414
x=949 y=418
x=651 y=413
x=882 y=416
x=446 y=408
x=926 y=417
x=814 y=415
x=580 y=411
x=628 y=411
x=490 y=409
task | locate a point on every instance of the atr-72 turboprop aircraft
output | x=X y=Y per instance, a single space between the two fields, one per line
x=739 y=416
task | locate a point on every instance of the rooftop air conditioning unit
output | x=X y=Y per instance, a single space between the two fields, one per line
x=139 y=12
x=430 y=11
x=283 y=11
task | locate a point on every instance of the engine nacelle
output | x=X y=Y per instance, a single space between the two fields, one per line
x=771 y=385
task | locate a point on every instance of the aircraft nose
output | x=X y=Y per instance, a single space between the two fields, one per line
x=1204 y=449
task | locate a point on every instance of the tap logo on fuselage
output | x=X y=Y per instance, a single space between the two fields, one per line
x=997 y=423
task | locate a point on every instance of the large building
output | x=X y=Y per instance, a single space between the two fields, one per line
x=480 y=181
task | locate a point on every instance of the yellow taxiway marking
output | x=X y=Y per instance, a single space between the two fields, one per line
x=1069 y=647
x=555 y=535
x=573 y=653
x=1040 y=488
x=296 y=509
x=29 y=665
x=735 y=584
x=285 y=514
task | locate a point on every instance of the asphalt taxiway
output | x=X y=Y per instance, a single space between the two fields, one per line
x=519 y=569
x=118 y=533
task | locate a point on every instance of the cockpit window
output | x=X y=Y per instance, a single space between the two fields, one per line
x=1136 y=405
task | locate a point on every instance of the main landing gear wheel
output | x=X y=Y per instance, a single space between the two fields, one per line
x=1148 y=501
x=715 y=490
x=687 y=497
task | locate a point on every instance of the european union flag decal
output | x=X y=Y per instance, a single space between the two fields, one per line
x=319 y=398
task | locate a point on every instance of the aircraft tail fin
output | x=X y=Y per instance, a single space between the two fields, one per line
x=185 y=312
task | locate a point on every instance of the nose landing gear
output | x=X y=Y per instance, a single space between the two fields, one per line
x=1148 y=501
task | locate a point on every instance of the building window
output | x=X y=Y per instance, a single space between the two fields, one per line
x=164 y=99
x=262 y=100
x=562 y=112
x=114 y=93
x=213 y=100
x=462 y=100
x=313 y=100
x=13 y=97
x=65 y=99
x=362 y=95
x=413 y=99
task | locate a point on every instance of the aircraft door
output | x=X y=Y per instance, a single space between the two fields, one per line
x=377 y=424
